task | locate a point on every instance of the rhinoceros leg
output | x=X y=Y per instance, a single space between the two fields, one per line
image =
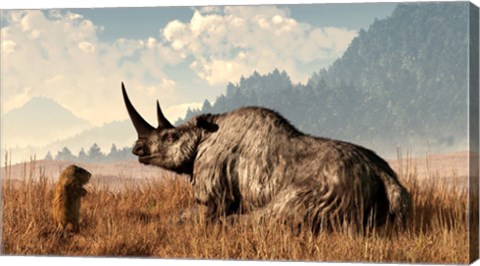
x=302 y=207
x=189 y=214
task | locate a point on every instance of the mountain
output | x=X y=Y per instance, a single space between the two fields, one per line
x=38 y=122
x=401 y=83
x=120 y=133
x=413 y=64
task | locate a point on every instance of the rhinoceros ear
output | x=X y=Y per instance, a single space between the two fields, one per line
x=143 y=127
x=163 y=123
x=206 y=122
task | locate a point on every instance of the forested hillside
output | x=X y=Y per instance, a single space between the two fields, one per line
x=402 y=82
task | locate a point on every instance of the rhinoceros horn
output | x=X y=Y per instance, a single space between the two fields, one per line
x=142 y=127
x=162 y=121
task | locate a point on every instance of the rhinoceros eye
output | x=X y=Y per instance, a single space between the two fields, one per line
x=170 y=136
x=173 y=136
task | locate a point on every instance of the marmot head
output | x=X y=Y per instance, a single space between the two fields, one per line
x=75 y=175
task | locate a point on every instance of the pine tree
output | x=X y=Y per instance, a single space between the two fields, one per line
x=114 y=153
x=48 y=157
x=65 y=155
x=95 y=154
x=82 y=156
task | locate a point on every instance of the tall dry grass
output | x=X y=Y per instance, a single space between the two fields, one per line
x=140 y=221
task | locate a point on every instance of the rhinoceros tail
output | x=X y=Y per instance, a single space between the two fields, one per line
x=400 y=203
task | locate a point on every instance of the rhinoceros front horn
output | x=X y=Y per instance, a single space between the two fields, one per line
x=142 y=127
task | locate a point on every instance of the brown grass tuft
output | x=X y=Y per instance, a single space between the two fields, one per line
x=139 y=221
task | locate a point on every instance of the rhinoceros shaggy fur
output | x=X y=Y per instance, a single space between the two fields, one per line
x=253 y=161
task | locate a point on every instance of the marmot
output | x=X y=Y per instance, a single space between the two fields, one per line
x=66 y=200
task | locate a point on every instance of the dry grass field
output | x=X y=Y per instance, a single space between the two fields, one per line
x=139 y=220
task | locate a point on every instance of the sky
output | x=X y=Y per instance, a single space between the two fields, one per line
x=78 y=57
x=178 y=55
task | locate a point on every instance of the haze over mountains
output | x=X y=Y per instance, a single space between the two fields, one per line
x=42 y=125
x=39 y=122
x=402 y=82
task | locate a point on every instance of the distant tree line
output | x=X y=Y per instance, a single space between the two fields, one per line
x=93 y=155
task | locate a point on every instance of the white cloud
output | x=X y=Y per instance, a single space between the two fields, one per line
x=277 y=19
x=174 y=28
x=219 y=71
x=86 y=47
x=8 y=47
x=58 y=55
x=174 y=112
x=227 y=42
